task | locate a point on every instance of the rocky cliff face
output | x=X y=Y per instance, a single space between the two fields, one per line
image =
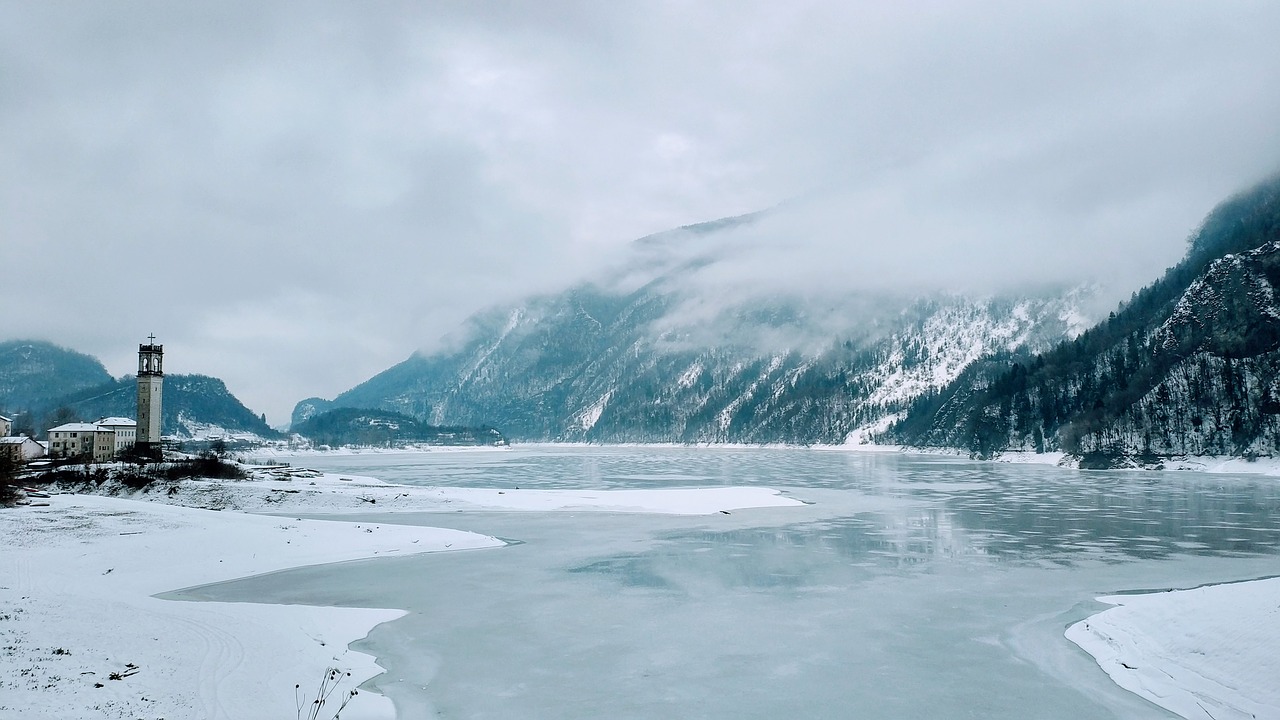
x=1221 y=392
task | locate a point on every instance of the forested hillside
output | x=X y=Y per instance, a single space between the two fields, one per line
x=34 y=372
x=381 y=428
x=662 y=359
x=1190 y=365
x=588 y=366
x=193 y=406
x=43 y=385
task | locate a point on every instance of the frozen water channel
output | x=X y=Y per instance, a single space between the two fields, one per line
x=911 y=587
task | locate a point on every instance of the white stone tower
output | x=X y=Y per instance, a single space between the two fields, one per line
x=150 y=387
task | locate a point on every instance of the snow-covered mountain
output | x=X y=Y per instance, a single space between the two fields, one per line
x=650 y=355
x=1189 y=366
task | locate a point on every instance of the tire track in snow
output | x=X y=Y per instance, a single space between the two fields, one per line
x=221 y=654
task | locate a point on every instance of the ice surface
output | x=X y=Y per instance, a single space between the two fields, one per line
x=76 y=580
x=911 y=587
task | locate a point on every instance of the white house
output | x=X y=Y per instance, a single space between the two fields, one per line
x=21 y=448
x=6 y=426
x=126 y=431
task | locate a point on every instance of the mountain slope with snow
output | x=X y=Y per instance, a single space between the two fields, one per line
x=1190 y=366
x=660 y=359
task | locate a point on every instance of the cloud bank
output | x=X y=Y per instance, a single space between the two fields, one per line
x=293 y=197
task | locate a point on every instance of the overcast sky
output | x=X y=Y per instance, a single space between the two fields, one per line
x=295 y=196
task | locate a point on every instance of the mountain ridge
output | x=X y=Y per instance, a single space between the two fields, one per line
x=1189 y=366
x=601 y=363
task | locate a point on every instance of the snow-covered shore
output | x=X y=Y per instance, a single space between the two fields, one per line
x=84 y=637
x=1193 y=463
x=76 y=607
x=1211 y=652
x=1215 y=464
x=298 y=490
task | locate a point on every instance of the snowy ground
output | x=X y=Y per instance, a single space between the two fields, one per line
x=1233 y=465
x=81 y=635
x=76 y=611
x=1212 y=652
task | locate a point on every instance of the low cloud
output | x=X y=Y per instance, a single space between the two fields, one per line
x=295 y=196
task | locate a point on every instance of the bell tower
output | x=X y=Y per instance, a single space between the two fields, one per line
x=150 y=388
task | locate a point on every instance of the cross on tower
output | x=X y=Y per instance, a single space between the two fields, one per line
x=152 y=338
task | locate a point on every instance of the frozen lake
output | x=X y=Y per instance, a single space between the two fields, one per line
x=911 y=587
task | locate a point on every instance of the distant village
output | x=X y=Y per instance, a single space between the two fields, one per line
x=104 y=439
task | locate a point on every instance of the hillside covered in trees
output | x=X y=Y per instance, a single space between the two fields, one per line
x=383 y=428
x=43 y=385
x=193 y=404
x=1190 y=365
x=653 y=355
x=34 y=373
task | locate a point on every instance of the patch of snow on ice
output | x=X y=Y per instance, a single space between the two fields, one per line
x=1210 y=652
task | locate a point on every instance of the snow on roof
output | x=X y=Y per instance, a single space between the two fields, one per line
x=76 y=427
x=6 y=418
x=14 y=440
x=115 y=421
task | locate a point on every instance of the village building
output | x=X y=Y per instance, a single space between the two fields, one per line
x=73 y=440
x=126 y=431
x=21 y=448
x=82 y=440
x=102 y=440
x=18 y=447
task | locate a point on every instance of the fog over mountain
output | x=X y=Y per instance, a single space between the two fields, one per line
x=842 y=263
x=294 y=197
